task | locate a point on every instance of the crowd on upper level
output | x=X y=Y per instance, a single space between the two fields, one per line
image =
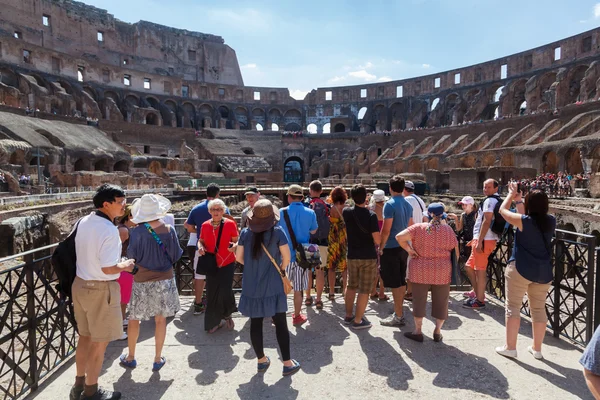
x=560 y=184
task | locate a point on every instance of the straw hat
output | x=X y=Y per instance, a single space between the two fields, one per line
x=149 y=207
x=263 y=216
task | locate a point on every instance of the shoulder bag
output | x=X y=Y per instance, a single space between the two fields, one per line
x=305 y=258
x=160 y=243
x=207 y=264
x=287 y=285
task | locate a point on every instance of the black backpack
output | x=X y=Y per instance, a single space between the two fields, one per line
x=64 y=260
x=321 y=210
x=499 y=223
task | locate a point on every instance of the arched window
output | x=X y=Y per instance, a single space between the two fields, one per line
x=312 y=128
x=327 y=128
x=498 y=94
x=361 y=113
x=259 y=127
x=435 y=103
x=274 y=127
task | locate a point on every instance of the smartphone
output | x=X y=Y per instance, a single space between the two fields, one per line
x=519 y=188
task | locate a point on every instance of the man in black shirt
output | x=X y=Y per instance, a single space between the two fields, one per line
x=363 y=236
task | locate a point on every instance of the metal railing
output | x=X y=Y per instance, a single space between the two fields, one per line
x=570 y=301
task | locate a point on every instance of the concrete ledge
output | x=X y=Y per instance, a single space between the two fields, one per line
x=73 y=195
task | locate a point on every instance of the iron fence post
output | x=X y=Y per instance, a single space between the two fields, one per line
x=589 y=290
x=558 y=276
x=592 y=292
x=31 y=320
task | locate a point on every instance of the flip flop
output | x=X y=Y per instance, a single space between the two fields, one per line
x=319 y=305
x=158 y=365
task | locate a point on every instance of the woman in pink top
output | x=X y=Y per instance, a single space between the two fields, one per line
x=430 y=268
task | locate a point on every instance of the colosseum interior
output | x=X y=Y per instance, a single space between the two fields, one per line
x=86 y=98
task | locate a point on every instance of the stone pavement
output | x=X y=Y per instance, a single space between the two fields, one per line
x=338 y=363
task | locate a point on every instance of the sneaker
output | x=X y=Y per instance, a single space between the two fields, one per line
x=299 y=319
x=348 y=320
x=393 y=320
x=198 y=308
x=536 y=354
x=364 y=324
x=124 y=336
x=506 y=353
x=75 y=393
x=474 y=303
x=102 y=394
x=125 y=323
x=469 y=295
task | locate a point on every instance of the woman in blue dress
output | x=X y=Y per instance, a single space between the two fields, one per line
x=264 y=252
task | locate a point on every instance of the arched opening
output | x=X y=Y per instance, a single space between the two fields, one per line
x=567 y=227
x=550 y=162
x=522 y=108
x=189 y=115
x=293 y=113
x=327 y=128
x=153 y=102
x=575 y=77
x=488 y=160
x=206 y=112
x=498 y=93
x=467 y=162
x=435 y=103
x=497 y=112
x=573 y=164
x=91 y=92
x=274 y=127
x=248 y=151
x=274 y=113
x=415 y=166
x=101 y=165
x=508 y=160
x=9 y=78
x=79 y=165
x=151 y=119
x=122 y=166
x=170 y=113
x=361 y=113
x=293 y=170
x=224 y=112
x=312 y=128
x=17 y=158
x=339 y=127
x=155 y=168
x=259 y=127
x=293 y=127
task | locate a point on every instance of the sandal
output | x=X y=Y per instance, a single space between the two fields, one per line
x=263 y=367
x=158 y=365
x=319 y=305
x=308 y=301
x=216 y=328
x=331 y=296
x=126 y=363
x=384 y=298
x=375 y=296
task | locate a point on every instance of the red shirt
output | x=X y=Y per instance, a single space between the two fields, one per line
x=433 y=266
x=209 y=234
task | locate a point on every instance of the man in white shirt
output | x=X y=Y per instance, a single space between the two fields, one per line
x=96 y=293
x=415 y=201
x=482 y=245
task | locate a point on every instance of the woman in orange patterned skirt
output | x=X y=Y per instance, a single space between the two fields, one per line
x=338 y=242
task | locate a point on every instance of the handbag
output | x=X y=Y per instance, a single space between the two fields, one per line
x=287 y=284
x=307 y=255
x=455 y=273
x=207 y=263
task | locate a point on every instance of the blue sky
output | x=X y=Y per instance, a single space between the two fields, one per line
x=302 y=45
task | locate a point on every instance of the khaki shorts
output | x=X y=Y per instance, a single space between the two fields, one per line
x=97 y=306
x=361 y=275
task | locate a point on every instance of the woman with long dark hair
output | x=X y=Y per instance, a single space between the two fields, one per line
x=338 y=242
x=263 y=250
x=529 y=270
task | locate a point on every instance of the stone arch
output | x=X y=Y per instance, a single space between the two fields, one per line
x=152 y=119
x=450 y=102
x=259 y=127
x=153 y=102
x=101 y=165
x=339 y=127
x=224 y=112
x=109 y=94
x=327 y=128
x=550 y=162
x=468 y=162
x=574 y=78
x=573 y=164
x=9 y=78
x=17 y=157
x=312 y=128
x=596 y=160
x=472 y=94
x=122 y=166
x=432 y=164
x=397 y=113
x=258 y=112
x=132 y=100
x=241 y=115
x=488 y=160
x=293 y=169
x=380 y=120
x=274 y=113
x=169 y=112
x=508 y=160
x=293 y=127
x=496 y=92
x=567 y=227
x=189 y=115
x=293 y=113
x=361 y=113
x=91 y=92
x=156 y=168
x=274 y=127
x=415 y=166
x=205 y=111
x=82 y=164
x=517 y=90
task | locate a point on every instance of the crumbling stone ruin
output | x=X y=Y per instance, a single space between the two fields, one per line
x=94 y=99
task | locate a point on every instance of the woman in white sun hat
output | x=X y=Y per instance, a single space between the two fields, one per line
x=155 y=248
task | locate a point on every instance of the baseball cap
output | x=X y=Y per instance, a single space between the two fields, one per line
x=409 y=185
x=467 y=200
x=251 y=190
x=295 y=190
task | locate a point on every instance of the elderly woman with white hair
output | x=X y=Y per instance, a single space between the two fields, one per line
x=155 y=248
x=219 y=236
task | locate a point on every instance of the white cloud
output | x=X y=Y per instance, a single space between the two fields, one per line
x=384 y=79
x=368 y=65
x=336 y=79
x=597 y=10
x=249 y=66
x=298 y=94
x=426 y=66
x=362 y=74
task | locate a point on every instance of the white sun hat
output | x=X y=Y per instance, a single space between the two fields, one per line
x=149 y=207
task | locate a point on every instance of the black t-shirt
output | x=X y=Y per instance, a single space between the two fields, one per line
x=360 y=224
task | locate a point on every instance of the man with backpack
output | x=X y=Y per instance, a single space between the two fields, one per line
x=321 y=209
x=488 y=226
x=298 y=223
x=95 y=291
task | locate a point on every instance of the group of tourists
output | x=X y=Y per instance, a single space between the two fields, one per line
x=553 y=184
x=374 y=242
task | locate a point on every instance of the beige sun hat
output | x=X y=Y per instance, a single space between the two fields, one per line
x=149 y=207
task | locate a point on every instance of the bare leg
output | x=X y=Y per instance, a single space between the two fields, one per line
x=160 y=333
x=512 y=330
x=481 y=279
x=539 y=331
x=123 y=310
x=331 y=278
x=344 y=281
x=418 y=325
x=438 y=326
x=94 y=362
x=349 y=299
x=320 y=283
x=398 y=295
x=361 y=306
x=133 y=332
x=82 y=354
x=310 y=283
x=470 y=272
x=408 y=287
x=297 y=302
x=199 y=289
x=381 y=288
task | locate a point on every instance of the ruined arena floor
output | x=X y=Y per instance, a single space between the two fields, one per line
x=338 y=363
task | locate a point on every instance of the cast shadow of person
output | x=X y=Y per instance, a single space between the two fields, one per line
x=256 y=389
x=454 y=368
x=154 y=389
x=385 y=361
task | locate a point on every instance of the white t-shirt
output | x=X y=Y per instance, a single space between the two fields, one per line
x=418 y=207
x=97 y=245
x=488 y=206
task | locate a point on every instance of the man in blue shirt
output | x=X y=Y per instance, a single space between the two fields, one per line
x=197 y=217
x=304 y=222
x=397 y=216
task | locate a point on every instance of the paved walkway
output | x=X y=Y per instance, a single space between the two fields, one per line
x=338 y=363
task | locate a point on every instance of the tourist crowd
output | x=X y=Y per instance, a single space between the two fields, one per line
x=560 y=184
x=127 y=252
